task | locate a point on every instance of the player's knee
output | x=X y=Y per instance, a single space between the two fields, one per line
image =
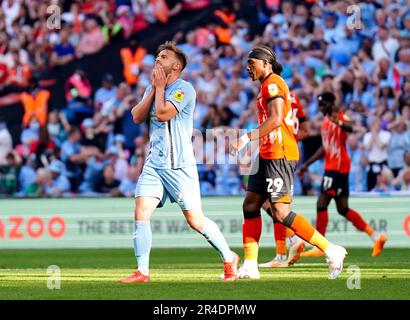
x=320 y=208
x=281 y=215
x=141 y=214
x=250 y=214
x=281 y=211
x=343 y=210
x=250 y=210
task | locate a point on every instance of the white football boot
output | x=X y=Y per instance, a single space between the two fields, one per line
x=335 y=256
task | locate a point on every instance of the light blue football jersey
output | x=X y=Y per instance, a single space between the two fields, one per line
x=170 y=142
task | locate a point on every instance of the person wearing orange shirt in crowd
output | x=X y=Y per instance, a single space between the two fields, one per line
x=335 y=184
x=275 y=167
x=224 y=17
x=280 y=232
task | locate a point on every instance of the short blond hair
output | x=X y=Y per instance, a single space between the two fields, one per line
x=172 y=46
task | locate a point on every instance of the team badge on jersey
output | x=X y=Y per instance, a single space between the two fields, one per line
x=179 y=95
x=273 y=89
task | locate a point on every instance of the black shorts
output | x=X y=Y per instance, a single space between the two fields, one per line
x=335 y=184
x=273 y=179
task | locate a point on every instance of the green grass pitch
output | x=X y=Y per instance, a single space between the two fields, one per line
x=190 y=274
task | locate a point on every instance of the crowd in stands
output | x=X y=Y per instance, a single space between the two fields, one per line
x=92 y=147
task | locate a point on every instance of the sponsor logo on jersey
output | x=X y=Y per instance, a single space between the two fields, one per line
x=179 y=95
x=273 y=89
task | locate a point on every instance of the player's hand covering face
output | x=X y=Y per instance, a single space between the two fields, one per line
x=159 y=77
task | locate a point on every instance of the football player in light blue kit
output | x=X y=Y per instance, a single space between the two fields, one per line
x=170 y=168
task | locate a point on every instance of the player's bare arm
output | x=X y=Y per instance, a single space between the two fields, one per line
x=275 y=108
x=304 y=131
x=344 y=125
x=140 y=111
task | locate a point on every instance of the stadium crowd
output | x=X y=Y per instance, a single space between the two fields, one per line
x=91 y=145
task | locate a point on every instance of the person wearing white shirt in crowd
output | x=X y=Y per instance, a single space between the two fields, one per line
x=386 y=46
x=6 y=143
x=376 y=142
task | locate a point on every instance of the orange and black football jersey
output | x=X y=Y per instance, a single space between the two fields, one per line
x=280 y=143
x=298 y=114
x=334 y=145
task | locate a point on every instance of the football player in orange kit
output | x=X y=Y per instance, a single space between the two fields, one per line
x=280 y=232
x=278 y=156
x=335 y=184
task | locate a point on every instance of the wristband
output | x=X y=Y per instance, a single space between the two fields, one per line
x=245 y=139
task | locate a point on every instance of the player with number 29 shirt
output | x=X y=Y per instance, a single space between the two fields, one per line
x=275 y=167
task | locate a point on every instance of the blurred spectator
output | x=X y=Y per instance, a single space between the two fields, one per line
x=132 y=59
x=74 y=157
x=357 y=176
x=399 y=144
x=78 y=95
x=112 y=27
x=384 y=181
x=90 y=139
x=128 y=185
x=11 y=10
x=27 y=176
x=64 y=51
x=9 y=174
x=43 y=148
x=129 y=129
x=376 y=142
x=20 y=72
x=6 y=143
x=37 y=189
x=125 y=20
x=105 y=93
x=35 y=103
x=402 y=182
x=118 y=162
x=57 y=184
x=386 y=46
x=107 y=184
x=92 y=40
x=56 y=130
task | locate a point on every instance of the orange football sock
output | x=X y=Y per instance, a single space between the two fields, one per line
x=279 y=231
x=369 y=230
x=289 y=233
x=251 y=233
x=304 y=229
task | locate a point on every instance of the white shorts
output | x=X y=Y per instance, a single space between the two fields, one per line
x=182 y=186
